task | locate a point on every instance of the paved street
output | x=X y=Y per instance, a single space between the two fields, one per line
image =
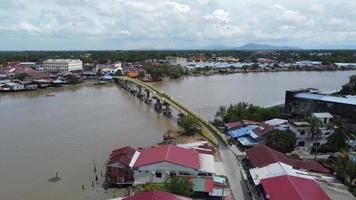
x=232 y=169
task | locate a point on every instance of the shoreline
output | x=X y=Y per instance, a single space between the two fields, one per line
x=217 y=72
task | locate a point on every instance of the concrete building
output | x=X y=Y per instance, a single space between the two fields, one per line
x=58 y=65
x=300 y=104
x=175 y=61
x=302 y=130
x=159 y=163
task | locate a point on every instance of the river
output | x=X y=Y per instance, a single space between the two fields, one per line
x=82 y=124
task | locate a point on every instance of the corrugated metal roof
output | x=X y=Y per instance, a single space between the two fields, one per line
x=169 y=153
x=327 y=98
x=207 y=163
x=322 y=115
x=272 y=170
x=292 y=188
x=262 y=155
x=241 y=131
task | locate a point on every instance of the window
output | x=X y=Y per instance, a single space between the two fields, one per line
x=301 y=144
x=158 y=175
x=326 y=133
x=302 y=132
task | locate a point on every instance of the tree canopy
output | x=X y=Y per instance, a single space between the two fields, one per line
x=350 y=87
x=283 y=141
x=243 y=110
x=190 y=124
x=337 y=142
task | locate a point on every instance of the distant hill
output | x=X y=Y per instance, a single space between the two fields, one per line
x=255 y=46
x=251 y=47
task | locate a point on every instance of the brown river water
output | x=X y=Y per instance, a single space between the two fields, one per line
x=82 y=124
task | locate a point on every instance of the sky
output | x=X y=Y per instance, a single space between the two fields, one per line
x=175 y=24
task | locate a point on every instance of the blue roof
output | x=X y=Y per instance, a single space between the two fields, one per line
x=241 y=131
x=327 y=98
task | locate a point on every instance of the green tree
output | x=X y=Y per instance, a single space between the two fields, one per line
x=346 y=169
x=314 y=131
x=179 y=185
x=283 y=141
x=190 y=124
x=98 y=74
x=342 y=133
x=350 y=87
x=243 y=110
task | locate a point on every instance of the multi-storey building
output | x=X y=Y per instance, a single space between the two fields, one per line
x=57 y=65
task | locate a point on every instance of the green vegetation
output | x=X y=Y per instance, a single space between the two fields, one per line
x=154 y=186
x=179 y=185
x=176 y=185
x=346 y=170
x=337 y=142
x=163 y=70
x=283 y=141
x=350 y=87
x=242 y=110
x=190 y=124
x=134 y=56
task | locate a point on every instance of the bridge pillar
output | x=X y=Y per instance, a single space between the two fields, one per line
x=158 y=105
x=166 y=109
x=147 y=98
x=139 y=94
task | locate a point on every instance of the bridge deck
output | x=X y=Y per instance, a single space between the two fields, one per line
x=208 y=130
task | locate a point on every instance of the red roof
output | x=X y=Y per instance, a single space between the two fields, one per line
x=123 y=155
x=292 y=188
x=262 y=155
x=233 y=125
x=156 y=195
x=263 y=130
x=169 y=153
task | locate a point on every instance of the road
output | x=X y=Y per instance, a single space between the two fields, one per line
x=232 y=170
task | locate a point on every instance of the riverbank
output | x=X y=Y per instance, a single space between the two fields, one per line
x=227 y=71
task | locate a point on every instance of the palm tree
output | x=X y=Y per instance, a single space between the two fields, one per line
x=314 y=131
x=342 y=133
x=98 y=74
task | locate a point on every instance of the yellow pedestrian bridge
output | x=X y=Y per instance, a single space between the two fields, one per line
x=207 y=129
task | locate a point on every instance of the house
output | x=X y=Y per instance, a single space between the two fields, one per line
x=156 y=164
x=251 y=134
x=261 y=155
x=213 y=187
x=291 y=188
x=119 y=167
x=155 y=195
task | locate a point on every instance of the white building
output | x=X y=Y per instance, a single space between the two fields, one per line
x=175 y=61
x=302 y=130
x=159 y=163
x=57 y=65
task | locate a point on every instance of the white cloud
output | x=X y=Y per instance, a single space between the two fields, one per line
x=177 y=23
x=179 y=7
x=219 y=15
x=28 y=27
